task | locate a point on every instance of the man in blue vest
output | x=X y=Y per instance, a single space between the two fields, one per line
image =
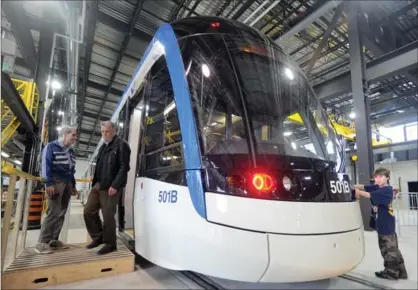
x=58 y=169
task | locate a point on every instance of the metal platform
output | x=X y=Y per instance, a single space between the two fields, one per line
x=31 y=270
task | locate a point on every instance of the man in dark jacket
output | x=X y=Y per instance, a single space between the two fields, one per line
x=110 y=177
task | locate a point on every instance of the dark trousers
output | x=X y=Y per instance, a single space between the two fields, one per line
x=100 y=199
x=55 y=215
x=393 y=260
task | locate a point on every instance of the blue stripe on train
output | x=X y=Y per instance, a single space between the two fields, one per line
x=166 y=36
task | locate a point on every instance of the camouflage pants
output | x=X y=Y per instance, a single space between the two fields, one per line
x=393 y=260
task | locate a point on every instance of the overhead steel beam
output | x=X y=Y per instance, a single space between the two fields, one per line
x=305 y=22
x=392 y=63
x=176 y=12
x=193 y=8
x=125 y=43
x=361 y=106
x=233 y=9
x=121 y=26
x=334 y=22
x=88 y=40
x=378 y=52
x=103 y=88
x=94 y=116
x=15 y=103
x=222 y=9
x=21 y=32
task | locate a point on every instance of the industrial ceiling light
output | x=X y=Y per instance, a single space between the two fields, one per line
x=4 y=154
x=59 y=128
x=289 y=73
x=55 y=85
x=352 y=115
x=205 y=70
x=17 y=162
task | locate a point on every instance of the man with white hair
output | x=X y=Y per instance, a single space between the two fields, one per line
x=110 y=177
x=58 y=169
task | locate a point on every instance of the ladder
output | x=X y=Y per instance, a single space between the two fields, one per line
x=9 y=122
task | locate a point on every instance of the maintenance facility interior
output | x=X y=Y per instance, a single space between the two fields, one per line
x=70 y=62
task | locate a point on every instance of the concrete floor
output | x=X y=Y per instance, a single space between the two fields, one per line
x=157 y=278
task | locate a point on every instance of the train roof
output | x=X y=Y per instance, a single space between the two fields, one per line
x=209 y=24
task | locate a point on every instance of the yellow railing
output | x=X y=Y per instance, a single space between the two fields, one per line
x=30 y=97
x=347 y=132
x=29 y=94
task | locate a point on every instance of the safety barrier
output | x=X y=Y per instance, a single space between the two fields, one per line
x=25 y=269
x=23 y=201
x=405 y=205
x=28 y=213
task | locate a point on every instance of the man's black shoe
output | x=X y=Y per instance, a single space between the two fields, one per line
x=106 y=249
x=94 y=244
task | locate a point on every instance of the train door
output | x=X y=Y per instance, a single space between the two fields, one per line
x=134 y=135
x=160 y=157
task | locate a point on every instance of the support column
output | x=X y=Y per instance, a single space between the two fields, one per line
x=361 y=106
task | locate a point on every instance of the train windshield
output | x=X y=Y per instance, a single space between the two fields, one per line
x=249 y=98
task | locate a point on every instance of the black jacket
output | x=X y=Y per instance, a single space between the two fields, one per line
x=112 y=165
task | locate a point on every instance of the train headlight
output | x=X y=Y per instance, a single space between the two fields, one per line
x=287 y=183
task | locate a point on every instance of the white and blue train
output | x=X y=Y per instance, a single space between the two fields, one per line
x=236 y=170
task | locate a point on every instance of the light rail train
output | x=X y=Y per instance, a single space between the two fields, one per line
x=236 y=170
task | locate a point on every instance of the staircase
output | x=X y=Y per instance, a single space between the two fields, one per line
x=9 y=122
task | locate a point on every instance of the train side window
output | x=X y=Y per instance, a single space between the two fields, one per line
x=162 y=153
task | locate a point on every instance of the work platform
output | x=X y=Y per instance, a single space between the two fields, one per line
x=31 y=270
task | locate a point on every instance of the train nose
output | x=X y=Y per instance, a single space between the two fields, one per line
x=315 y=257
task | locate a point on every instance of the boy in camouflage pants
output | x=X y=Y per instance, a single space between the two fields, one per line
x=381 y=195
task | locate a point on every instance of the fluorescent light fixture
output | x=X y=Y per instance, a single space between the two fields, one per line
x=60 y=113
x=169 y=108
x=59 y=128
x=4 y=154
x=55 y=85
x=205 y=70
x=213 y=124
x=289 y=73
x=400 y=111
x=287 y=133
x=17 y=162
x=293 y=145
x=352 y=115
x=121 y=125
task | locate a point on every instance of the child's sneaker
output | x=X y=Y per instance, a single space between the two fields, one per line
x=58 y=245
x=385 y=275
x=403 y=275
x=42 y=248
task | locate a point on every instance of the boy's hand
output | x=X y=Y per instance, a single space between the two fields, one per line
x=358 y=193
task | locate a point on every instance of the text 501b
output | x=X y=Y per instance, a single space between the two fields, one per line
x=167 y=196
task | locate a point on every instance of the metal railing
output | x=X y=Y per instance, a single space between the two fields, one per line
x=21 y=212
x=405 y=206
x=30 y=97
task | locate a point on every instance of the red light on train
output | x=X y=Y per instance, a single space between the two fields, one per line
x=215 y=24
x=263 y=182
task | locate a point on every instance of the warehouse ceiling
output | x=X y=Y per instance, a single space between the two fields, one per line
x=117 y=33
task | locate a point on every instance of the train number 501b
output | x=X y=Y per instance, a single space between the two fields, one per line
x=167 y=196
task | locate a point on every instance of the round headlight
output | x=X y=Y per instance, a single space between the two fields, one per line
x=287 y=183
